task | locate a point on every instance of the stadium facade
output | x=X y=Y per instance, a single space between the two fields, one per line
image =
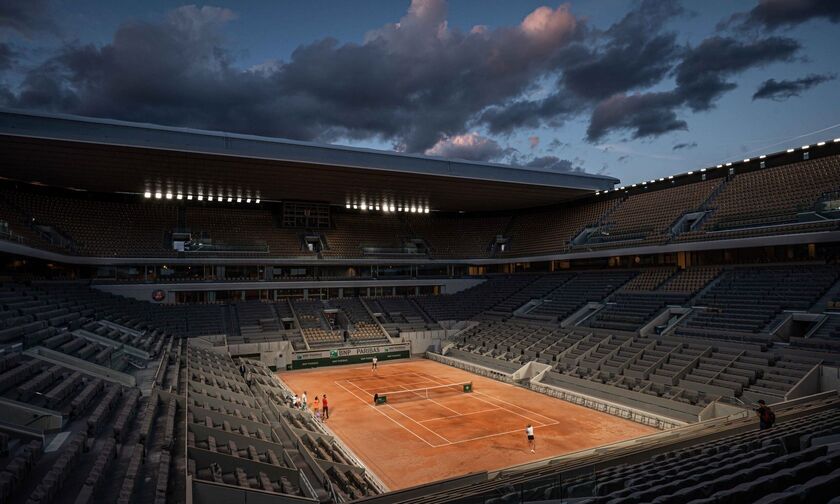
x=144 y=265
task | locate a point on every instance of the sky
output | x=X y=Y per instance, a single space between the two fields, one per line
x=633 y=89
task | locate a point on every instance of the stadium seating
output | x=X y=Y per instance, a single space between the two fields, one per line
x=776 y=200
x=646 y=218
x=745 y=301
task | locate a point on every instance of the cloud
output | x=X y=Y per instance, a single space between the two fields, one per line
x=633 y=53
x=552 y=163
x=26 y=17
x=413 y=82
x=702 y=77
x=782 y=90
x=470 y=146
x=636 y=54
x=7 y=55
x=416 y=83
x=773 y=14
x=685 y=145
x=647 y=114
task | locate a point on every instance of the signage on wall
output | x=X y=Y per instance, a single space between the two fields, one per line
x=158 y=295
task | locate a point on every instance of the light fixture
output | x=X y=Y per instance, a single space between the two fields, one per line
x=762 y=156
x=634 y=185
x=747 y=160
x=789 y=150
x=147 y=195
x=347 y=206
x=158 y=195
x=200 y=197
x=220 y=198
x=180 y=196
x=189 y=197
x=230 y=199
x=169 y=195
x=355 y=206
x=690 y=173
x=257 y=201
x=239 y=199
x=597 y=193
x=661 y=179
x=413 y=209
x=719 y=166
x=426 y=210
x=248 y=200
x=393 y=208
x=836 y=140
x=820 y=144
x=670 y=177
x=703 y=169
x=806 y=147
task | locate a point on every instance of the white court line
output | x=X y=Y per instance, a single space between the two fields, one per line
x=432 y=400
x=506 y=409
x=403 y=414
x=386 y=416
x=422 y=384
x=501 y=434
x=461 y=414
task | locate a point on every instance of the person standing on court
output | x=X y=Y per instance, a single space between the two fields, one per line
x=325 y=407
x=373 y=364
x=303 y=401
x=529 y=431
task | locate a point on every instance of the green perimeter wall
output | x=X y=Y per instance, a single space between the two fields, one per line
x=352 y=355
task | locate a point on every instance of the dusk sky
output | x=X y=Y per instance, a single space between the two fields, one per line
x=636 y=90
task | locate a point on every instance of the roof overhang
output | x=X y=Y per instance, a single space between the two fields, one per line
x=109 y=156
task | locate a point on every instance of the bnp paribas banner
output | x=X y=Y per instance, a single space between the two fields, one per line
x=350 y=355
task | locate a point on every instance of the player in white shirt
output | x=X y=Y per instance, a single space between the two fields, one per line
x=529 y=431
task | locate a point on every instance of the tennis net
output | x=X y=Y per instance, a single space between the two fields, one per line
x=420 y=394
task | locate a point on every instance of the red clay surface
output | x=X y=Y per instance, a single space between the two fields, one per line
x=423 y=440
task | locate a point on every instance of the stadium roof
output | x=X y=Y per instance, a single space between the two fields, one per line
x=123 y=157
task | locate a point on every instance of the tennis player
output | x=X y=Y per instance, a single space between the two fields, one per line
x=529 y=431
x=373 y=364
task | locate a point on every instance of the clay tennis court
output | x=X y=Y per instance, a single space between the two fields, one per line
x=414 y=440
